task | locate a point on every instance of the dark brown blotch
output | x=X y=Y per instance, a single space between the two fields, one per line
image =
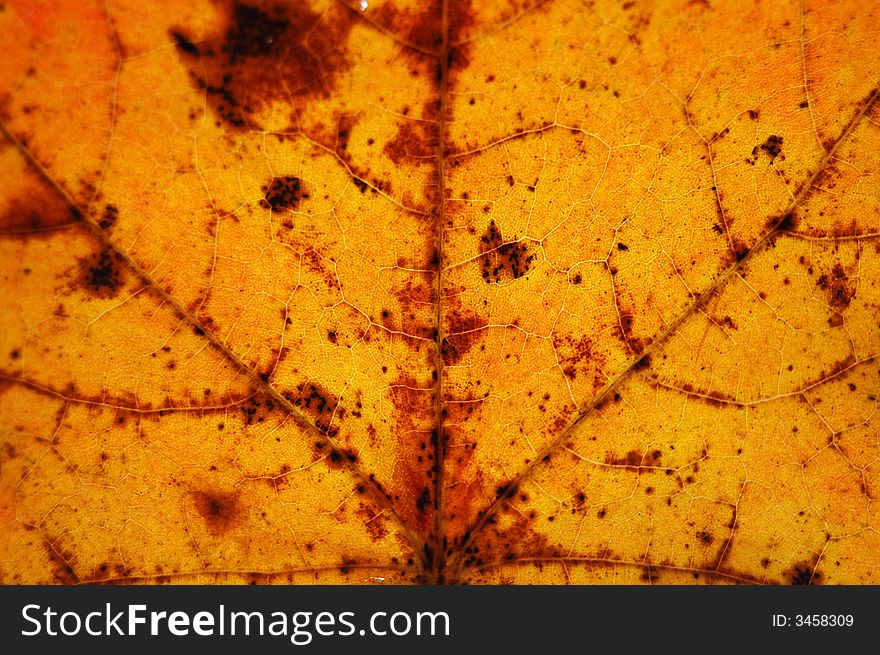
x=642 y=363
x=258 y=408
x=771 y=148
x=283 y=193
x=424 y=500
x=740 y=250
x=184 y=43
x=101 y=274
x=782 y=223
x=221 y=511
x=464 y=329
x=502 y=260
x=39 y=210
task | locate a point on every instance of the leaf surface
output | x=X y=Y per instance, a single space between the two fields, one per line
x=439 y=292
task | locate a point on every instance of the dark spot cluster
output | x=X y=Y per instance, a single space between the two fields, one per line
x=101 y=274
x=502 y=260
x=635 y=343
x=337 y=457
x=344 y=127
x=772 y=148
x=220 y=510
x=109 y=217
x=266 y=53
x=424 y=500
x=803 y=574
x=257 y=409
x=317 y=403
x=283 y=193
x=782 y=223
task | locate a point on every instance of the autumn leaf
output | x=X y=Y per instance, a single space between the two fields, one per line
x=557 y=292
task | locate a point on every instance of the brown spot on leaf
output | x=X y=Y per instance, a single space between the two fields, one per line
x=424 y=500
x=415 y=139
x=101 y=274
x=464 y=328
x=257 y=408
x=782 y=223
x=803 y=573
x=633 y=460
x=283 y=193
x=62 y=561
x=374 y=521
x=109 y=217
x=577 y=358
x=772 y=147
x=318 y=403
x=273 y=52
x=839 y=288
x=418 y=449
x=220 y=510
x=502 y=260
x=38 y=210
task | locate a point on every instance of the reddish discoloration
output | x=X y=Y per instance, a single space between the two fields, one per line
x=839 y=288
x=221 y=511
x=520 y=538
x=463 y=329
x=375 y=521
x=39 y=210
x=415 y=142
x=416 y=454
x=284 y=193
x=63 y=562
x=634 y=460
